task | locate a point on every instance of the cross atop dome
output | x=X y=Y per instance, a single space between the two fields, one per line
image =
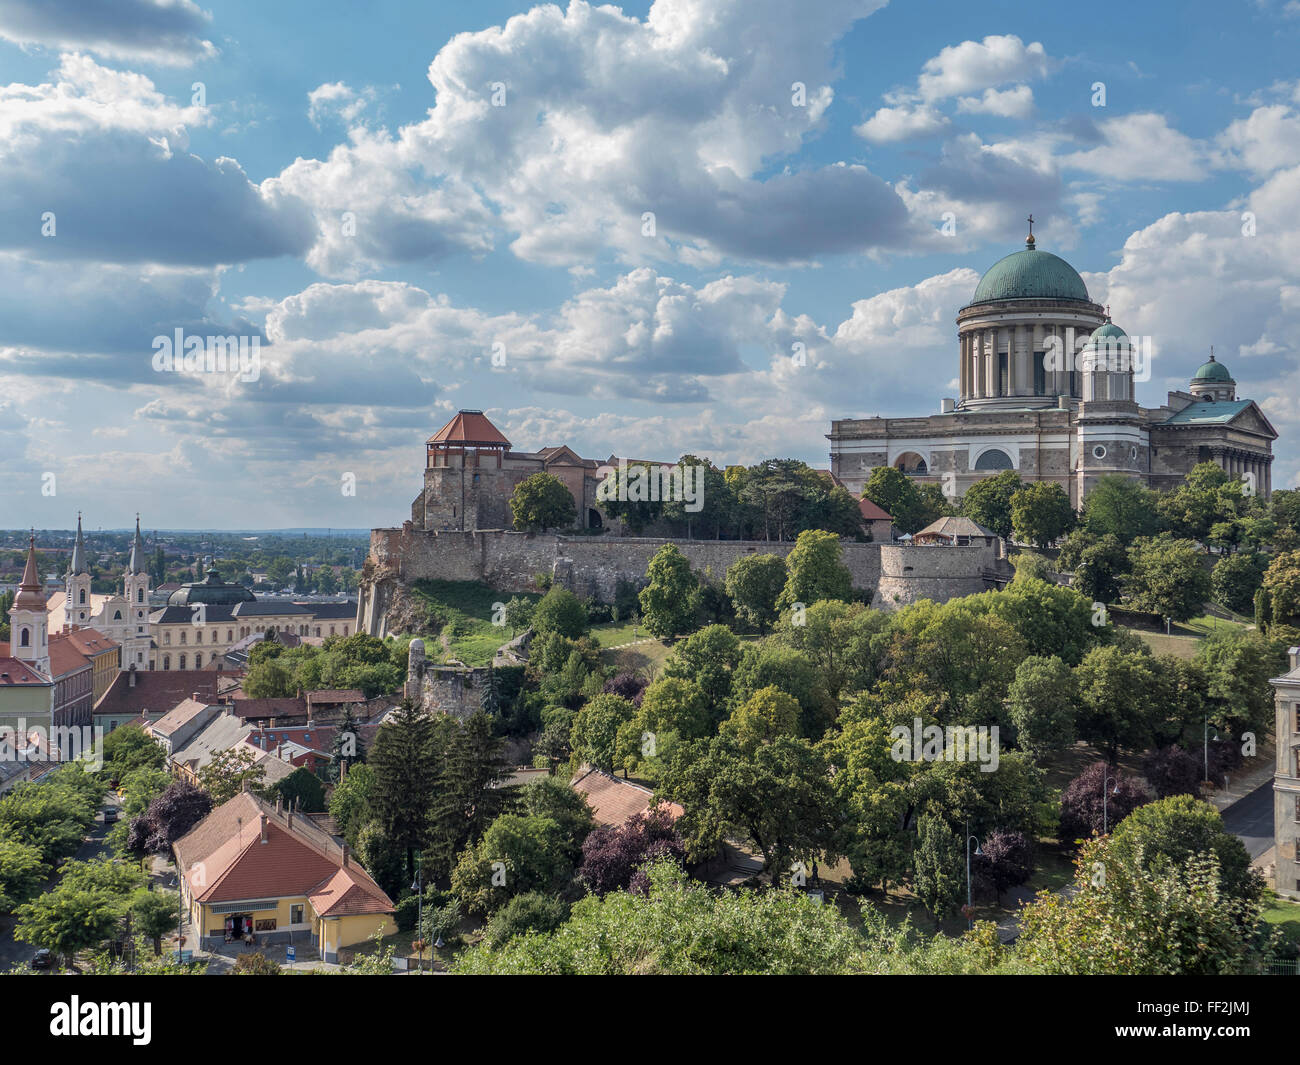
x=1029 y=240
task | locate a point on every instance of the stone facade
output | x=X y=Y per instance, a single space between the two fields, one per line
x=1046 y=385
x=1286 y=780
x=910 y=573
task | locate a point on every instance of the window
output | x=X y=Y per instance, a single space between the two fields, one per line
x=167 y=637
x=993 y=459
x=1297 y=807
x=1040 y=374
x=182 y=662
x=1099 y=452
x=198 y=660
x=167 y=661
x=229 y=635
x=117 y=615
x=25 y=638
x=83 y=596
x=184 y=636
x=295 y=914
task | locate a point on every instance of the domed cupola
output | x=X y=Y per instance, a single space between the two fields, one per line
x=1030 y=275
x=1106 y=364
x=211 y=590
x=1213 y=382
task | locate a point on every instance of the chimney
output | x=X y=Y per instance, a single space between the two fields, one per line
x=194 y=696
x=278 y=801
x=345 y=855
x=263 y=816
x=1294 y=652
x=131 y=676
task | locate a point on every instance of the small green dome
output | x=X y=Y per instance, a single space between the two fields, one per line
x=1212 y=371
x=1107 y=332
x=1031 y=274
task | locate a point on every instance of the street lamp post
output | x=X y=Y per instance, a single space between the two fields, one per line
x=970 y=921
x=418 y=888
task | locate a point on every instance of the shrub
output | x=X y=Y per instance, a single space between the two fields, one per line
x=532 y=912
x=1171 y=771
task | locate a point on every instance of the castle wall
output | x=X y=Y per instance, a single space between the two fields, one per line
x=910 y=573
x=511 y=561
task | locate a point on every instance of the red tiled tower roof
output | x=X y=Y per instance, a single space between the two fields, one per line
x=470 y=428
x=29 y=590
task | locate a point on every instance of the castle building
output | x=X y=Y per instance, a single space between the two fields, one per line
x=471 y=470
x=1046 y=384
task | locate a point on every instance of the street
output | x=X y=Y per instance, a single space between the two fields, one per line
x=1251 y=819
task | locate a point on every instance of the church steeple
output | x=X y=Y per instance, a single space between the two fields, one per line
x=77 y=606
x=29 y=637
x=136 y=563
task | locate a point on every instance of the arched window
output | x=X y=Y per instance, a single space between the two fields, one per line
x=139 y=595
x=25 y=638
x=198 y=660
x=83 y=596
x=117 y=615
x=993 y=459
x=911 y=462
x=182 y=662
x=167 y=661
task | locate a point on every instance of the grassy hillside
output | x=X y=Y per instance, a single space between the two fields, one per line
x=460 y=614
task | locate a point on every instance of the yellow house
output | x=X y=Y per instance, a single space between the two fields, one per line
x=252 y=867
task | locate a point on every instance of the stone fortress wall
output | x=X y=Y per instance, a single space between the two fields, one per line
x=592 y=566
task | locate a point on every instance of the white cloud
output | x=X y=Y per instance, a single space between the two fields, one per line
x=165 y=32
x=1267 y=140
x=338 y=100
x=904 y=122
x=976 y=65
x=1143 y=147
x=1016 y=102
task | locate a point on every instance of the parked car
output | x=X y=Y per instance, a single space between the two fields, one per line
x=110 y=815
x=43 y=959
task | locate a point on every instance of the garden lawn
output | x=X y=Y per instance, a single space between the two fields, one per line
x=464 y=610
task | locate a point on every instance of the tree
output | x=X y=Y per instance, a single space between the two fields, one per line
x=764 y=716
x=793 y=672
x=301 y=790
x=779 y=799
x=938 y=866
x=1168 y=833
x=1040 y=513
x=22 y=872
x=1007 y=860
x=1282 y=584
x=406 y=761
x=67 y=921
x=515 y=856
x=154 y=914
x=270 y=678
x=127 y=748
x=988 y=501
x=552 y=798
x=1116 y=690
x=1097 y=800
x=1171 y=771
x=542 y=502
x=1100 y=565
x=1168 y=578
x=708 y=658
x=469 y=791
x=681 y=927
x=1236 y=578
x=228 y=771
x=560 y=611
x=668 y=599
x=1237 y=667
x=613 y=854
x=625 y=496
x=594 y=736
x=349 y=802
x=754 y=583
x=1136 y=921
x=170 y=816
x=347 y=751
x=815 y=571
x=897 y=494
x=1121 y=507
x=530 y=912
x=1041 y=705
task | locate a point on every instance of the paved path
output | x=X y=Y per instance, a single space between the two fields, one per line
x=1251 y=819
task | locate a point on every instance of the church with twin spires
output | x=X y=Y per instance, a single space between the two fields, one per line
x=1046 y=384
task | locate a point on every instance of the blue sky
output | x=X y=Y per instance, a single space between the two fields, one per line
x=345 y=188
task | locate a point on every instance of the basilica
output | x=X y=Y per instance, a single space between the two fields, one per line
x=1047 y=389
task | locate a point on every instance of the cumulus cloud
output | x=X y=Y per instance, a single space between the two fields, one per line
x=902 y=123
x=976 y=65
x=94 y=166
x=565 y=128
x=1016 y=102
x=165 y=32
x=1265 y=141
x=1144 y=147
x=338 y=100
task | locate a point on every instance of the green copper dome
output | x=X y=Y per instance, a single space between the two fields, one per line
x=1212 y=371
x=1031 y=274
x=212 y=590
